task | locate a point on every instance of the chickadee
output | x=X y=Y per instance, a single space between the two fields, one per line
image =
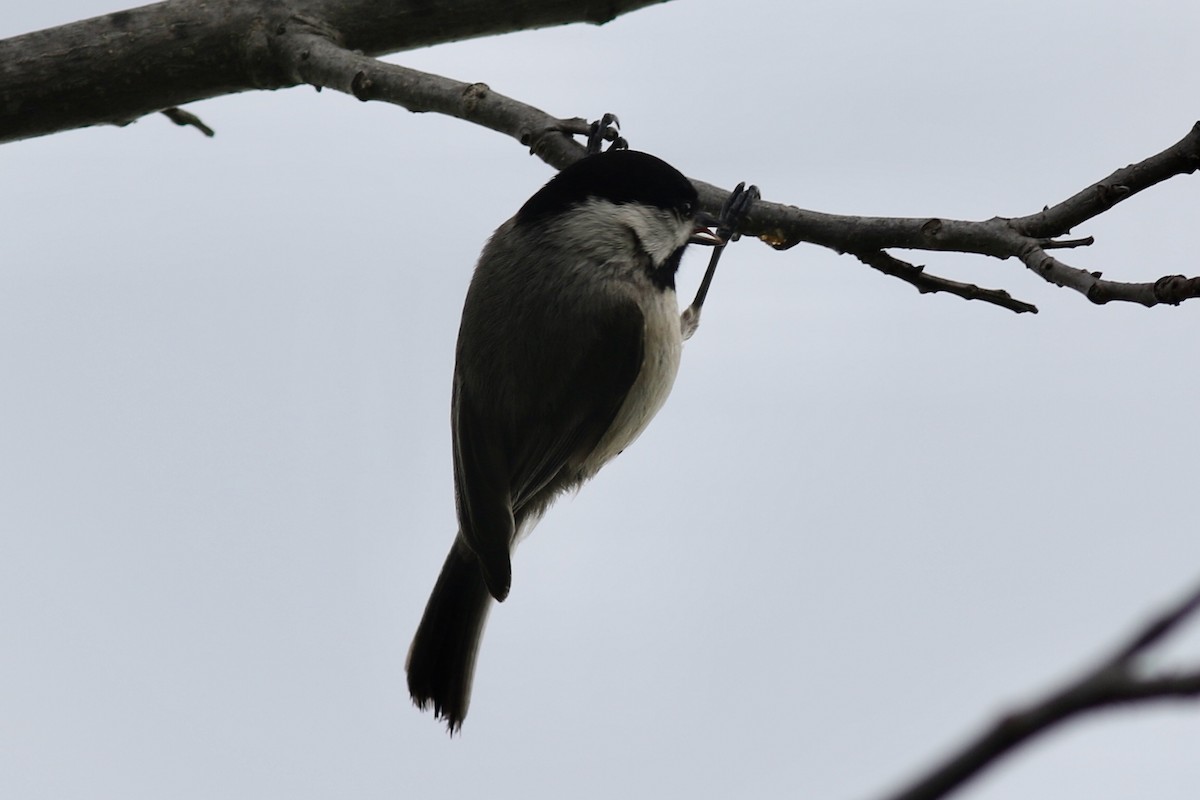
x=569 y=343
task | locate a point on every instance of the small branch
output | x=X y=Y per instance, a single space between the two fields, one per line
x=1112 y=683
x=1169 y=289
x=1062 y=244
x=1157 y=629
x=315 y=59
x=1181 y=158
x=181 y=117
x=918 y=277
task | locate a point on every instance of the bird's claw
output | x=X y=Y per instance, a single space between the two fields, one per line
x=607 y=127
x=734 y=211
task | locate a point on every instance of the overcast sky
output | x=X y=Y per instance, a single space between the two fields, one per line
x=866 y=521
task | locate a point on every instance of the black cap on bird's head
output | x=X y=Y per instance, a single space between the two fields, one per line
x=618 y=176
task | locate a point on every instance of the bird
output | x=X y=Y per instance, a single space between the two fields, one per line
x=569 y=344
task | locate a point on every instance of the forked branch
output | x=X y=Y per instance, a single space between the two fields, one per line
x=1113 y=682
x=313 y=56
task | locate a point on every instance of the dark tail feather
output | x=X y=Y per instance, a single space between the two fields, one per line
x=441 y=659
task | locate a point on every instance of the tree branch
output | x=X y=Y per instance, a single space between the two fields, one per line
x=312 y=57
x=1114 y=682
x=121 y=66
x=1181 y=158
x=1026 y=238
x=1170 y=289
x=118 y=67
x=925 y=283
x=308 y=55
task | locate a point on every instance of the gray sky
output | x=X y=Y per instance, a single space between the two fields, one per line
x=865 y=522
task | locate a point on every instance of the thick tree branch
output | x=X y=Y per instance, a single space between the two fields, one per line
x=1114 y=682
x=121 y=66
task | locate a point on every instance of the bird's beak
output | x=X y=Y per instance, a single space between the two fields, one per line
x=703 y=233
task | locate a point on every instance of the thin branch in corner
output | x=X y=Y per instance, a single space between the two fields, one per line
x=926 y=283
x=181 y=117
x=1113 y=682
x=1157 y=629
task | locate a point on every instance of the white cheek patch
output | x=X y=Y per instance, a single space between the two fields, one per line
x=659 y=232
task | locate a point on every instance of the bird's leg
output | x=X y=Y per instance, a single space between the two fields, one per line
x=733 y=213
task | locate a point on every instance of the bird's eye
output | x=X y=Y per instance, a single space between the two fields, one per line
x=687 y=209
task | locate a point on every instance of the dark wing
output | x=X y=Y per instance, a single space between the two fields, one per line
x=481 y=489
x=516 y=449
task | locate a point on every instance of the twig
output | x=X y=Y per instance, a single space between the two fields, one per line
x=1112 y=683
x=181 y=117
x=1062 y=244
x=925 y=282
